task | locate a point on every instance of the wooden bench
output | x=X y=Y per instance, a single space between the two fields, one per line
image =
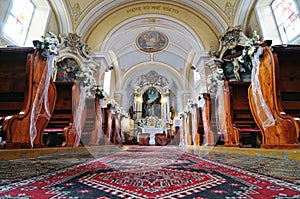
x=278 y=78
x=89 y=134
x=200 y=129
x=207 y=137
x=144 y=139
x=22 y=70
x=61 y=116
x=242 y=118
x=237 y=121
x=287 y=78
x=13 y=76
x=92 y=122
x=161 y=139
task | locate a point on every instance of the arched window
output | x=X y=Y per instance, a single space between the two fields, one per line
x=107 y=80
x=286 y=13
x=25 y=21
x=279 y=20
x=18 y=21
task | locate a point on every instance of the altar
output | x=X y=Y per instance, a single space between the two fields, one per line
x=152 y=131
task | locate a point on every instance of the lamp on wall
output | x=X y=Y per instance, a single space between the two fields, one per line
x=194 y=68
x=109 y=68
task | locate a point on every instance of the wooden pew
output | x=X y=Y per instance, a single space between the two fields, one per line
x=61 y=117
x=200 y=129
x=72 y=136
x=237 y=121
x=13 y=75
x=22 y=70
x=243 y=121
x=207 y=137
x=109 y=124
x=278 y=78
x=89 y=122
x=161 y=139
x=90 y=130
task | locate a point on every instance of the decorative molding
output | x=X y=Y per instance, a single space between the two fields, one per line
x=229 y=41
x=74 y=44
x=73 y=59
x=152 y=79
x=229 y=12
x=151 y=20
x=75 y=11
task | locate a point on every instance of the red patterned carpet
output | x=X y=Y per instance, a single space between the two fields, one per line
x=151 y=172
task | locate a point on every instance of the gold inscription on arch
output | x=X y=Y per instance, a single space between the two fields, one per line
x=156 y=8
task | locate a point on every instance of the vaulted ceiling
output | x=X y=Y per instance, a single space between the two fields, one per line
x=111 y=29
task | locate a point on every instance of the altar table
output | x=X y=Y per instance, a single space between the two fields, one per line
x=152 y=131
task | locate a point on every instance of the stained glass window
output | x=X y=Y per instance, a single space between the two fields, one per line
x=18 y=21
x=286 y=14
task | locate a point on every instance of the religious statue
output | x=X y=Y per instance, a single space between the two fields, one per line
x=172 y=113
x=131 y=112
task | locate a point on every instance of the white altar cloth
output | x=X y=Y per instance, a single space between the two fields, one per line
x=152 y=131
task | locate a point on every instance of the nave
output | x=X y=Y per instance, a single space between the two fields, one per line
x=149 y=99
x=149 y=172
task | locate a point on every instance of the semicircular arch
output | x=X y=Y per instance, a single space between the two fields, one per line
x=206 y=22
x=143 y=68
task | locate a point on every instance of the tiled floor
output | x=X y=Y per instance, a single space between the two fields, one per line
x=17 y=169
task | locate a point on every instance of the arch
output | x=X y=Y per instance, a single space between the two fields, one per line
x=62 y=16
x=242 y=14
x=137 y=70
x=174 y=25
x=198 y=15
x=187 y=70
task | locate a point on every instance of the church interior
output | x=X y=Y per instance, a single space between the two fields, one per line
x=183 y=97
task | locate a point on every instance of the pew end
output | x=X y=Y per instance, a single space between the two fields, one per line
x=278 y=77
x=61 y=117
x=21 y=91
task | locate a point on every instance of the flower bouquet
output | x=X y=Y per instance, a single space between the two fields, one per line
x=48 y=44
x=99 y=92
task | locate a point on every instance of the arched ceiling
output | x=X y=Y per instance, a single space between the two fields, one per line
x=192 y=26
x=111 y=28
x=122 y=42
x=204 y=21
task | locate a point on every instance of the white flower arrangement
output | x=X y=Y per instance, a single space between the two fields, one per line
x=113 y=104
x=248 y=52
x=100 y=93
x=116 y=109
x=201 y=100
x=214 y=79
x=86 y=79
x=191 y=104
x=181 y=115
x=124 y=114
x=186 y=111
x=49 y=44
